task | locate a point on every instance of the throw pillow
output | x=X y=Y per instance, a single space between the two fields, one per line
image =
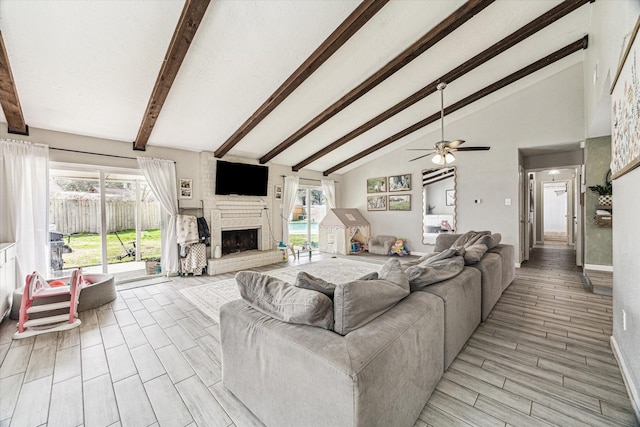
x=469 y=238
x=307 y=281
x=358 y=302
x=422 y=275
x=491 y=240
x=392 y=271
x=474 y=253
x=284 y=301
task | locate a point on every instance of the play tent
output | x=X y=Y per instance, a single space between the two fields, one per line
x=339 y=228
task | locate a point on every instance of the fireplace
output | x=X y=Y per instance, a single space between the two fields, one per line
x=239 y=240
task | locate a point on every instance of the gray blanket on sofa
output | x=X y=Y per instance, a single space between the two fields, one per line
x=441 y=266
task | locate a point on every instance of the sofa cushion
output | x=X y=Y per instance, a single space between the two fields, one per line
x=358 y=302
x=474 y=253
x=283 y=301
x=427 y=273
x=308 y=281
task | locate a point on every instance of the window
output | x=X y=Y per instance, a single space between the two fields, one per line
x=308 y=211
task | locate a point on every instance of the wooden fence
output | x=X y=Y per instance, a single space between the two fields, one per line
x=83 y=216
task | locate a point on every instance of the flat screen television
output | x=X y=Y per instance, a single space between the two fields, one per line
x=241 y=179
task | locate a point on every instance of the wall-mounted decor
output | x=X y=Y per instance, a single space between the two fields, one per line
x=186 y=188
x=400 y=203
x=400 y=182
x=625 y=98
x=376 y=203
x=450 y=197
x=377 y=185
x=278 y=192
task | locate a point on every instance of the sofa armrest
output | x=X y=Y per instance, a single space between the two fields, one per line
x=360 y=376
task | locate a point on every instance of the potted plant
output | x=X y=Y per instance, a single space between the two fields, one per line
x=604 y=193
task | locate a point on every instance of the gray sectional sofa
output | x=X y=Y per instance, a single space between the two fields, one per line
x=352 y=368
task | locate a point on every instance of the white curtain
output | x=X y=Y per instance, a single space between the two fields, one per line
x=161 y=176
x=329 y=189
x=288 y=201
x=24 y=194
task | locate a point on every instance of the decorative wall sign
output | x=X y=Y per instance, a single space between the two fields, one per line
x=186 y=188
x=399 y=203
x=376 y=203
x=377 y=185
x=625 y=98
x=400 y=182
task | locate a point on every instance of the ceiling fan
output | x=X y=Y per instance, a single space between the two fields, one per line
x=444 y=149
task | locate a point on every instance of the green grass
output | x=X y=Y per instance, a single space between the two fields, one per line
x=86 y=248
x=300 y=239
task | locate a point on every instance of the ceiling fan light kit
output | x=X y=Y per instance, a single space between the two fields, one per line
x=444 y=149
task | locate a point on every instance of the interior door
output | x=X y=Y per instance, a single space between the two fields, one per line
x=522 y=185
x=578 y=198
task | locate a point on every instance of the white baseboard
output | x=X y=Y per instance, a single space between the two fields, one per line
x=632 y=390
x=597 y=267
x=517 y=265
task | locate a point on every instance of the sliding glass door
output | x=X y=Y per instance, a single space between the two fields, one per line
x=309 y=209
x=104 y=221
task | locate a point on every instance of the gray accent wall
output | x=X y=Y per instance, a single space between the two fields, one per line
x=598 y=241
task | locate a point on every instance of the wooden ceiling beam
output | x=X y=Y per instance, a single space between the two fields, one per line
x=437 y=33
x=9 y=95
x=506 y=43
x=356 y=20
x=523 y=72
x=190 y=19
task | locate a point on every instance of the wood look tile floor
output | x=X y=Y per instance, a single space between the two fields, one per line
x=150 y=358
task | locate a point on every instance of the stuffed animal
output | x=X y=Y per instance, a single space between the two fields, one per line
x=399 y=248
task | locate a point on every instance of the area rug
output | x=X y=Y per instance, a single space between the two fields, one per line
x=210 y=296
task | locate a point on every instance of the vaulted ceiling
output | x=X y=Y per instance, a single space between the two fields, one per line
x=318 y=84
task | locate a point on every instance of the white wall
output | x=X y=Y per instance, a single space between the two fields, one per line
x=545 y=113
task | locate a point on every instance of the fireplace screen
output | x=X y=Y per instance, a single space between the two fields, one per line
x=239 y=240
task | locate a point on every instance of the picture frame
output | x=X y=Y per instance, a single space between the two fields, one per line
x=278 y=192
x=625 y=96
x=400 y=182
x=186 y=188
x=377 y=185
x=399 y=202
x=450 y=197
x=377 y=203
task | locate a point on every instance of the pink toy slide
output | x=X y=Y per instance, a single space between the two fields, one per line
x=37 y=288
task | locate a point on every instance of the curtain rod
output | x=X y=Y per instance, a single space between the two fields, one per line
x=310 y=179
x=95 y=154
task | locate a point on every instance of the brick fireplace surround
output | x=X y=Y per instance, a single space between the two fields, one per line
x=241 y=215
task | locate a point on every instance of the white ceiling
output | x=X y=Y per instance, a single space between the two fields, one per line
x=88 y=68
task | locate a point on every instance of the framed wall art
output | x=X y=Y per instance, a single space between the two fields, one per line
x=376 y=203
x=400 y=202
x=400 y=182
x=625 y=98
x=450 y=197
x=186 y=188
x=377 y=185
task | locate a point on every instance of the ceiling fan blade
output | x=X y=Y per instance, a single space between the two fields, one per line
x=472 y=149
x=420 y=157
x=421 y=149
x=454 y=144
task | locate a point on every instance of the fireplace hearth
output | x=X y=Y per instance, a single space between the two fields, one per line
x=234 y=241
